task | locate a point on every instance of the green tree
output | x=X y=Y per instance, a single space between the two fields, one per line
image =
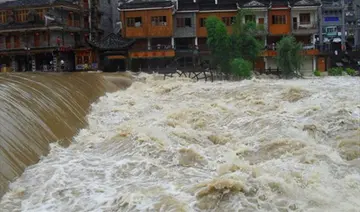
x=241 y=44
x=218 y=42
x=244 y=43
x=289 y=56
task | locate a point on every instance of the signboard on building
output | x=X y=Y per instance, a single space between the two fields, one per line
x=152 y=54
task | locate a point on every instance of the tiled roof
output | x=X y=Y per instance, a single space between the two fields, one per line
x=22 y=3
x=136 y=4
x=266 y=3
x=305 y=3
x=253 y=3
x=221 y=5
x=184 y=5
x=113 y=42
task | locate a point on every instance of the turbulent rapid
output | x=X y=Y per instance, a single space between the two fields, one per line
x=178 y=145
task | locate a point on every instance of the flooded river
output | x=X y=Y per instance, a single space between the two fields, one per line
x=37 y=109
x=177 y=145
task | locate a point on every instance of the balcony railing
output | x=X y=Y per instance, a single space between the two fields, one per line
x=200 y=47
x=298 y=26
x=152 y=48
x=75 y=23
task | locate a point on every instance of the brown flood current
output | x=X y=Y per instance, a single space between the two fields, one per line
x=37 y=109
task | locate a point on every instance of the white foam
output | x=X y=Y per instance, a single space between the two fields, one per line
x=159 y=144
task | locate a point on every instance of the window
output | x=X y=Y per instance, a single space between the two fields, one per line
x=36 y=39
x=21 y=15
x=40 y=13
x=261 y=21
x=8 y=42
x=79 y=59
x=250 y=18
x=86 y=22
x=17 y=41
x=134 y=22
x=158 y=21
x=70 y=19
x=202 y=22
x=228 y=20
x=304 y=18
x=86 y=59
x=278 y=19
x=45 y=36
x=3 y=17
x=183 y=22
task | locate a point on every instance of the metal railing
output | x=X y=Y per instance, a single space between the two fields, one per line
x=152 y=48
x=191 y=47
x=305 y=47
x=304 y=26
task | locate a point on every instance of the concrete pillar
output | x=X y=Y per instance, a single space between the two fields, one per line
x=172 y=42
x=266 y=21
x=33 y=64
x=196 y=41
x=55 y=63
x=149 y=43
x=321 y=39
x=291 y=20
x=314 y=63
x=266 y=62
x=14 y=64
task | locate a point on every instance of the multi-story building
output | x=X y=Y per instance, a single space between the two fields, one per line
x=37 y=35
x=53 y=34
x=104 y=16
x=151 y=23
x=352 y=22
x=186 y=32
x=297 y=18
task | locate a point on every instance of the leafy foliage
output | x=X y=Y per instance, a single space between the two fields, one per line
x=317 y=73
x=241 y=44
x=350 y=71
x=241 y=68
x=218 y=42
x=244 y=43
x=335 y=71
x=289 y=58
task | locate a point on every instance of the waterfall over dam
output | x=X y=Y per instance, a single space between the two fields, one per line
x=37 y=109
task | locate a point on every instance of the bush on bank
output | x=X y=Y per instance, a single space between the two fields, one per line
x=241 y=68
x=317 y=73
x=335 y=71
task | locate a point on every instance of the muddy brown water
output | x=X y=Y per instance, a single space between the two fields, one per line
x=39 y=108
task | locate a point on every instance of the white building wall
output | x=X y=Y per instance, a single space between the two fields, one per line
x=271 y=63
x=307 y=67
x=313 y=17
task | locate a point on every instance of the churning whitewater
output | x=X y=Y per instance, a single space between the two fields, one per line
x=178 y=145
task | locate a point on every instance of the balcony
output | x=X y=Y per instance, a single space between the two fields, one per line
x=308 y=49
x=73 y=24
x=304 y=28
x=26 y=26
x=261 y=29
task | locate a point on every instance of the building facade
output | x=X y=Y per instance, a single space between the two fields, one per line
x=53 y=35
x=185 y=33
x=39 y=35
